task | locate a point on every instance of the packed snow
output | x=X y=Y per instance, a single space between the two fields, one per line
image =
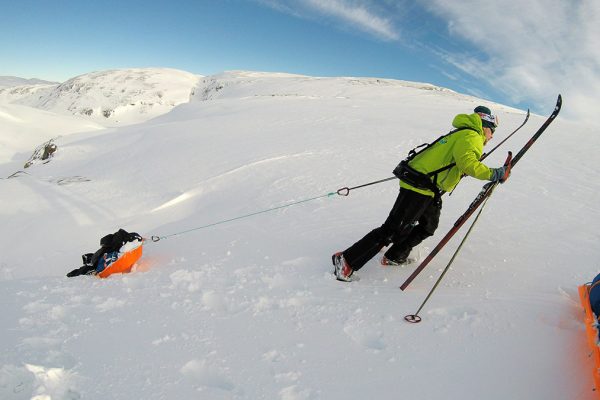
x=248 y=308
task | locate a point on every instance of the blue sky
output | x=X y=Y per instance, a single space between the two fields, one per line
x=520 y=54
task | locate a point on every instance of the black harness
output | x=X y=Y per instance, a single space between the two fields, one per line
x=421 y=180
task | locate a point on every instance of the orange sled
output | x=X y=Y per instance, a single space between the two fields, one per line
x=123 y=264
x=591 y=329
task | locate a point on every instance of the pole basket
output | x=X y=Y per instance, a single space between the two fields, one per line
x=412 y=318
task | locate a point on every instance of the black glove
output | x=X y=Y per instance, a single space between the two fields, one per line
x=498 y=175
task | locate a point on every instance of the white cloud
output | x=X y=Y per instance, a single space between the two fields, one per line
x=357 y=15
x=362 y=15
x=532 y=50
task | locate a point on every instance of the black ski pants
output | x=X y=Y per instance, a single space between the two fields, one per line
x=413 y=218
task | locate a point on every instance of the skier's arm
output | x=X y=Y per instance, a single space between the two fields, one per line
x=467 y=156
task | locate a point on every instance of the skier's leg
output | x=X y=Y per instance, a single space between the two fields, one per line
x=425 y=227
x=407 y=209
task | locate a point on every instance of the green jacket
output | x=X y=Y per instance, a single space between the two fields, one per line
x=463 y=148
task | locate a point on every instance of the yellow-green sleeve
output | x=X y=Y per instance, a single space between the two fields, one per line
x=467 y=152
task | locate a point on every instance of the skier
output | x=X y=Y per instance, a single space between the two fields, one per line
x=424 y=177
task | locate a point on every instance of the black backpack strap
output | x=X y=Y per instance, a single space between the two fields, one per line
x=437 y=171
x=418 y=179
x=415 y=178
x=414 y=152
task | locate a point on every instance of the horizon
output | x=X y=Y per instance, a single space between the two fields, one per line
x=517 y=62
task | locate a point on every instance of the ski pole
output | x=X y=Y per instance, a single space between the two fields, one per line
x=485 y=192
x=481 y=198
x=415 y=318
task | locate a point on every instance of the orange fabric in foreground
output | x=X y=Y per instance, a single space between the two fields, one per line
x=123 y=264
x=591 y=329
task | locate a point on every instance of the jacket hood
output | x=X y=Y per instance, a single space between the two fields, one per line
x=471 y=121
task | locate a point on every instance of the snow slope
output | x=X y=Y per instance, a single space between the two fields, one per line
x=248 y=309
x=24 y=128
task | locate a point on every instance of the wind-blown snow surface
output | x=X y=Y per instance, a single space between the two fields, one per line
x=248 y=309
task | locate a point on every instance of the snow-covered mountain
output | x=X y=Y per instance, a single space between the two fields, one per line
x=240 y=84
x=12 y=81
x=248 y=309
x=111 y=98
x=35 y=113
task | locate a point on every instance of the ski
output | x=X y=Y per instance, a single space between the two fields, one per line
x=485 y=192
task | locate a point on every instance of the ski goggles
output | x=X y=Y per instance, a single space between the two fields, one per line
x=492 y=119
